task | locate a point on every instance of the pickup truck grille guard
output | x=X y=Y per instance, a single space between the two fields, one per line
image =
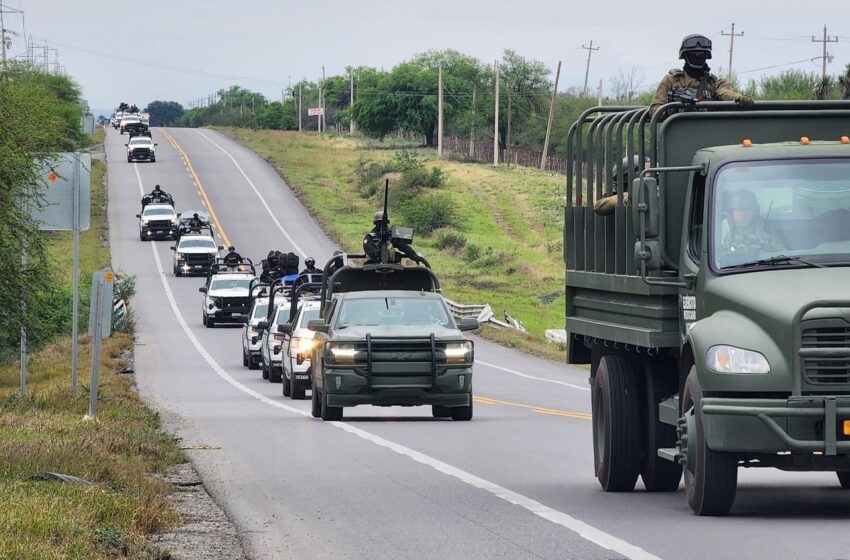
x=416 y=347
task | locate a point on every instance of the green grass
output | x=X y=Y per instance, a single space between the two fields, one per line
x=45 y=432
x=511 y=220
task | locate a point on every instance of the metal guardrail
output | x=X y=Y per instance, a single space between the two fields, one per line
x=484 y=313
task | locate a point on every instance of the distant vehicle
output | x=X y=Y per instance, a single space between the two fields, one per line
x=712 y=304
x=145 y=118
x=195 y=253
x=251 y=334
x=157 y=221
x=226 y=297
x=115 y=121
x=141 y=147
x=129 y=120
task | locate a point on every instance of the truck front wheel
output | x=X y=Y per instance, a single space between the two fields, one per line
x=330 y=413
x=616 y=424
x=844 y=479
x=711 y=478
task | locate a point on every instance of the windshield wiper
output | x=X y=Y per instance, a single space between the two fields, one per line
x=778 y=259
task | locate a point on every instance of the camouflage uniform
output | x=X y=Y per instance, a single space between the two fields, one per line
x=716 y=89
x=750 y=240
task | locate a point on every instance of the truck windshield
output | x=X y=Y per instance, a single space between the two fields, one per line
x=765 y=210
x=197 y=243
x=393 y=312
x=230 y=284
x=260 y=310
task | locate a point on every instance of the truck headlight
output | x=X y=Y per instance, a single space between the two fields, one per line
x=729 y=359
x=459 y=353
x=300 y=345
x=341 y=354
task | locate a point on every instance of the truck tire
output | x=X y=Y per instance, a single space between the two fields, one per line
x=316 y=404
x=330 y=413
x=153 y=159
x=245 y=358
x=439 y=411
x=661 y=381
x=844 y=479
x=264 y=368
x=287 y=388
x=711 y=478
x=274 y=374
x=252 y=363
x=616 y=424
x=462 y=413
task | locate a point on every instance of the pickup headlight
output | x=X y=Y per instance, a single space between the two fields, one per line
x=175 y=222
x=300 y=345
x=729 y=359
x=340 y=354
x=214 y=302
x=459 y=353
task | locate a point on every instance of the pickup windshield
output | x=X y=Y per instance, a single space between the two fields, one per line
x=151 y=212
x=230 y=284
x=389 y=311
x=197 y=243
x=781 y=214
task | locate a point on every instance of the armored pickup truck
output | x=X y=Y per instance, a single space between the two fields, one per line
x=712 y=303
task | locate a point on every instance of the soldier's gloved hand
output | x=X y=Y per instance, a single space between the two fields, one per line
x=746 y=102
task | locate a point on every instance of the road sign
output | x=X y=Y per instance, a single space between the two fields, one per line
x=315 y=111
x=57 y=182
x=102 y=282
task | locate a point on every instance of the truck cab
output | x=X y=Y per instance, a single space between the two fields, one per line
x=711 y=304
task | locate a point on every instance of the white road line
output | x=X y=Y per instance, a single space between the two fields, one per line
x=525 y=375
x=257 y=192
x=585 y=531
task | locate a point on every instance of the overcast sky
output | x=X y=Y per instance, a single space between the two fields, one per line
x=265 y=43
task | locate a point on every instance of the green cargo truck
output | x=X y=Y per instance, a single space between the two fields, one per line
x=713 y=303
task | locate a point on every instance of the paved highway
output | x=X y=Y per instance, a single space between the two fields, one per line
x=516 y=482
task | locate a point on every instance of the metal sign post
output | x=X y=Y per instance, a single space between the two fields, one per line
x=23 y=329
x=95 y=354
x=75 y=313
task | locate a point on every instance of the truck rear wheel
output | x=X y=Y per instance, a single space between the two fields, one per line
x=711 y=478
x=264 y=369
x=287 y=388
x=661 y=382
x=274 y=374
x=844 y=479
x=295 y=392
x=616 y=424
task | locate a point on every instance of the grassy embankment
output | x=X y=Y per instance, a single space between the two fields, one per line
x=510 y=220
x=45 y=433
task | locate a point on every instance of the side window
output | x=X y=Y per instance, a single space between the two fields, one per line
x=696 y=228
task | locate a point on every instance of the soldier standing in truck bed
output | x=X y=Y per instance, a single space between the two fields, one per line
x=695 y=80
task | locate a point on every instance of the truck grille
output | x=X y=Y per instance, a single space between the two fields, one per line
x=141 y=152
x=825 y=352
x=236 y=304
x=160 y=226
x=199 y=259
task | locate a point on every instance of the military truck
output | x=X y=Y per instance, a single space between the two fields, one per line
x=712 y=303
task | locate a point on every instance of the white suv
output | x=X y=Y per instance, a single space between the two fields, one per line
x=271 y=342
x=297 y=347
x=157 y=220
x=141 y=147
x=194 y=253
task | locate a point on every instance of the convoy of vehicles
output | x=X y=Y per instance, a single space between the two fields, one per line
x=712 y=309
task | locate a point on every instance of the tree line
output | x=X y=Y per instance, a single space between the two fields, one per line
x=405 y=98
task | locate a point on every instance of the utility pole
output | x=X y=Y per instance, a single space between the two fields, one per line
x=440 y=111
x=496 y=120
x=351 y=106
x=322 y=103
x=472 y=125
x=599 y=95
x=3 y=40
x=551 y=116
x=299 y=105
x=826 y=40
x=731 y=36
x=589 y=50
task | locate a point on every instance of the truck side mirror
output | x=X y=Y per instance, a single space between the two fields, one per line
x=138 y=216
x=644 y=199
x=263 y=325
x=649 y=252
x=318 y=325
x=467 y=324
x=285 y=328
x=202 y=289
x=173 y=248
x=221 y=247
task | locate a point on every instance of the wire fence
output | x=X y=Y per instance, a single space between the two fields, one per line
x=461 y=149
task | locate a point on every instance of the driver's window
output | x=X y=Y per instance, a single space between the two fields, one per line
x=695 y=231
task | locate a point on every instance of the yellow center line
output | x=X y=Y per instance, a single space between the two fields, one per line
x=197 y=182
x=538 y=409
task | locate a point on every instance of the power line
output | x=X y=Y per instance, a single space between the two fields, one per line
x=779 y=65
x=826 y=40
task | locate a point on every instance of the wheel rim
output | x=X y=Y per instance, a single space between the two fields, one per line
x=599 y=426
x=690 y=466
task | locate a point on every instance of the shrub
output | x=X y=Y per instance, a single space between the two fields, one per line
x=407 y=160
x=449 y=239
x=414 y=179
x=426 y=214
x=473 y=252
x=367 y=173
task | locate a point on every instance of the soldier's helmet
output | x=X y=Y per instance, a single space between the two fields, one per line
x=379 y=217
x=743 y=199
x=620 y=171
x=695 y=44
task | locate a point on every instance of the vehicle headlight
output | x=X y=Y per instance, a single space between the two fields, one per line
x=459 y=353
x=729 y=359
x=300 y=345
x=175 y=222
x=145 y=220
x=214 y=302
x=341 y=354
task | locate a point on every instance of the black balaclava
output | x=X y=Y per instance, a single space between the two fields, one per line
x=696 y=64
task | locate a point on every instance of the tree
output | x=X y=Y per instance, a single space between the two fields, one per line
x=526 y=89
x=164 y=113
x=844 y=82
x=624 y=86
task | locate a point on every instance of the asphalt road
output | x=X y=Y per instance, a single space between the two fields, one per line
x=516 y=482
